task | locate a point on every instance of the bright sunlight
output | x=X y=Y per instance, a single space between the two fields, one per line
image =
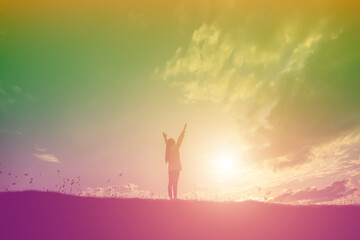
x=225 y=164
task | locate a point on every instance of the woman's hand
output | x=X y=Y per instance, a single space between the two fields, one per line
x=165 y=137
x=184 y=127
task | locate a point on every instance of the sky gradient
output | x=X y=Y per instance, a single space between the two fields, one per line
x=271 y=89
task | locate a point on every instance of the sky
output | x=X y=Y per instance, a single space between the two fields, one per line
x=269 y=90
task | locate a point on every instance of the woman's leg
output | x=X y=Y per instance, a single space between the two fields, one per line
x=175 y=182
x=170 y=184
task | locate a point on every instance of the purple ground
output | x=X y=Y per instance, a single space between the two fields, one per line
x=41 y=215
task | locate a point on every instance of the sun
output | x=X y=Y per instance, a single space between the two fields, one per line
x=225 y=164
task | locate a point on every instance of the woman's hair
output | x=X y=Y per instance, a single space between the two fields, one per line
x=169 y=144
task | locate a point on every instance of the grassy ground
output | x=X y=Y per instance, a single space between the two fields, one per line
x=45 y=215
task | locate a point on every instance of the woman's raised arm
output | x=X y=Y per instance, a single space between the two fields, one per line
x=181 y=137
x=165 y=137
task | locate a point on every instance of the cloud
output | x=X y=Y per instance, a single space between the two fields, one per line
x=336 y=190
x=47 y=158
x=44 y=156
x=40 y=149
x=10 y=132
x=9 y=95
x=5 y=100
x=20 y=92
x=293 y=85
x=204 y=59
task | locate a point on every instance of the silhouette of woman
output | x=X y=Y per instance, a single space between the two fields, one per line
x=172 y=157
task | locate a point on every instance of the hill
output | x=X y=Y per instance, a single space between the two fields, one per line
x=46 y=215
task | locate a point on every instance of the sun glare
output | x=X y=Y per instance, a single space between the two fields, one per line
x=225 y=164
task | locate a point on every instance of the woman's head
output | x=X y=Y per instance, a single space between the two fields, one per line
x=170 y=142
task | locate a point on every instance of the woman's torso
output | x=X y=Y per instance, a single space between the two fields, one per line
x=174 y=160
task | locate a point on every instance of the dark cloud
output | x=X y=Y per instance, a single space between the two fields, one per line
x=332 y=192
